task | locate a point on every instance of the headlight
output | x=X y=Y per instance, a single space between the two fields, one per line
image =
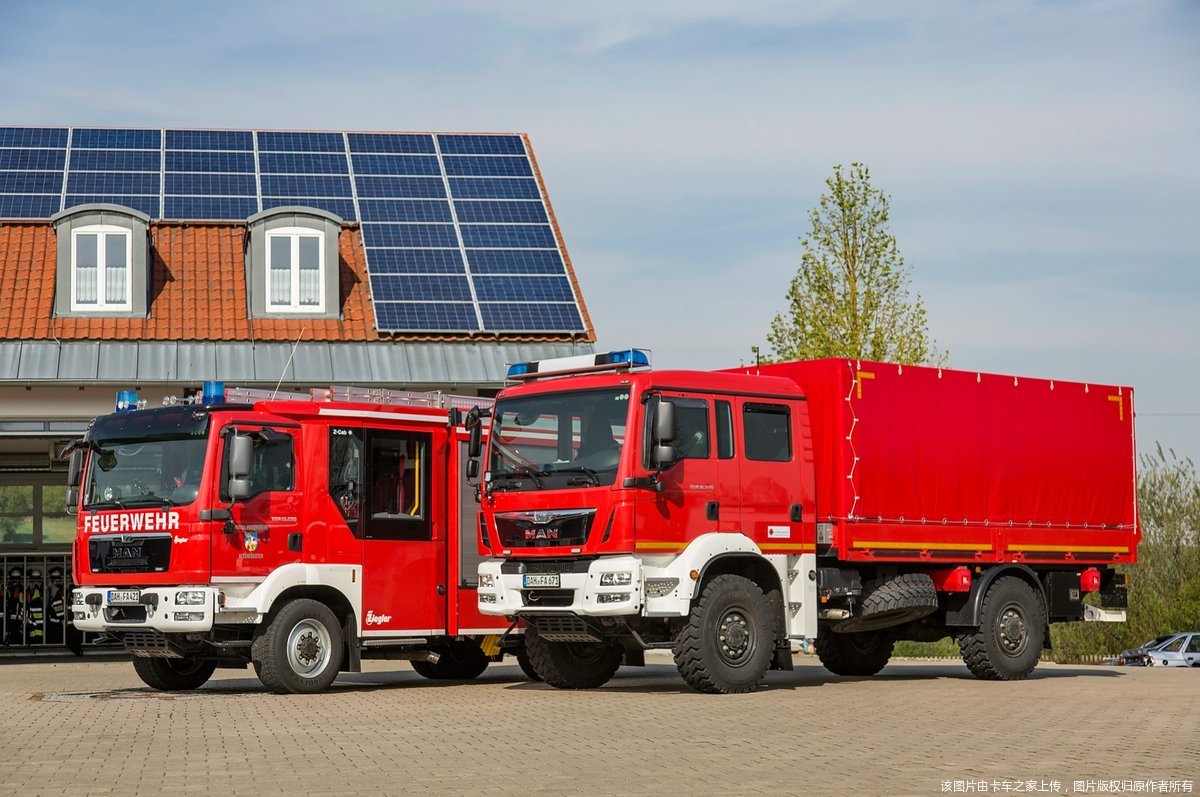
x=190 y=598
x=486 y=581
x=612 y=597
x=615 y=579
x=487 y=598
x=76 y=597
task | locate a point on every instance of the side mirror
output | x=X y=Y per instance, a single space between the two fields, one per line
x=238 y=489
x=664 y=423
x=72 y=500
x=475 y=429
x=472 y=469
x=241 y=456
x=475 y=441
x=75 y=468
x=663 y=456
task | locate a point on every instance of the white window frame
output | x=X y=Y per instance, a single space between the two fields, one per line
x=102 y=304
x=294 y=306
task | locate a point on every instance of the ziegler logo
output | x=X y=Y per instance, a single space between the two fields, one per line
x=377 y=619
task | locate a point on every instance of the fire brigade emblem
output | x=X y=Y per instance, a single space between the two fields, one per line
x=251 y=541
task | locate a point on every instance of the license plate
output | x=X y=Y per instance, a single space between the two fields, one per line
x=541 y=580
x=124 y=596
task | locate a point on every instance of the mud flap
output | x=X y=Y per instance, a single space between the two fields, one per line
x=782 y=660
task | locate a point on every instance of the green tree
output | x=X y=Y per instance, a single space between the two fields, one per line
x=850 y=297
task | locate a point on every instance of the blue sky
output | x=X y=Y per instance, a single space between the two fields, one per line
x=1043 y=157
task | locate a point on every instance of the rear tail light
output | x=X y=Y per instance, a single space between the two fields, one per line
x=1089 y=580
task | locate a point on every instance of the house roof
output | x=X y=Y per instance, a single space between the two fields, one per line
x=197 y=290
x=456 y=236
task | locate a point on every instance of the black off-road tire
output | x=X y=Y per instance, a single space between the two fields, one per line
x=173 y=675
x=426 y=669
x=458 y=661
x=729 y=638
x=300 y=651
x=893 y=601
x=1012 y=626
x=572 y=665
x=522 y=655
x=856 y=654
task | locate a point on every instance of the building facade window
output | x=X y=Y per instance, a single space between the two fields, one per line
x=102 y=262
x=296 y=270
x=293 y=263
x=100 y=265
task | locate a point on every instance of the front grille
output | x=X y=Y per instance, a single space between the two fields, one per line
x=544 y=529
x=132 y=553
x=556 y=598
x=125 y=614
x=148 y=643
x=511 y=566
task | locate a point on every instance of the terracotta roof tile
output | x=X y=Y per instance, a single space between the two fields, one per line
x=197 y=292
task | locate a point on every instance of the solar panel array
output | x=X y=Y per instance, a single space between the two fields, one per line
x=456 y=229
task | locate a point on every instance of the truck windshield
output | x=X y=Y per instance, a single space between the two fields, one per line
x=140 y=473
x=558 y=440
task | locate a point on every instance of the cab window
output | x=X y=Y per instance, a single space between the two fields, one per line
x=345 y=472
x=767 y=432
x=692 y=430
x=396 y=492
x=273 y=466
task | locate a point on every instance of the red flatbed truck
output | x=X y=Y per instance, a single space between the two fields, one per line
x=299 y=535
x=722 y=515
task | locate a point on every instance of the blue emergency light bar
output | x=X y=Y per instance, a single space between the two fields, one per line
x=623 y=360
x=212 y=393
x=127 y=400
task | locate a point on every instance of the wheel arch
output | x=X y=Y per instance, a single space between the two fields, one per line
x=338 y=603
x=967 y=613
x=747 y=565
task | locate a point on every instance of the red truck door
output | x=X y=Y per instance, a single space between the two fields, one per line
x=402 y=522
x=700 y=490
x=255 y=542
x=774 y=495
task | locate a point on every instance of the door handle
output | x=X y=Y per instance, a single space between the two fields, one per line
x=796 y=513
x=712 y=510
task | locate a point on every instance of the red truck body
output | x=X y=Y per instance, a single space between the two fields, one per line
x=843 y=502
x=358 y=506
x=917 y=463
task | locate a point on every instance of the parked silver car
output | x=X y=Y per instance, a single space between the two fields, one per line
x=1139 y=656
x=1183 y=650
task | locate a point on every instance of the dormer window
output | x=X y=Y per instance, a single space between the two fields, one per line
x=100 y=255
x=292 y=263
x=103 y=262
x=296 y=270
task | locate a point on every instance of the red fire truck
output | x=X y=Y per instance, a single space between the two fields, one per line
x=722 y=515
x=301 y=533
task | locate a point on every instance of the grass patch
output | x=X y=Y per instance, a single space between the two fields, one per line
x=945 y=648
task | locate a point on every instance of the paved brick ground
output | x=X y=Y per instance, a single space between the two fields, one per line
x=919 y=728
